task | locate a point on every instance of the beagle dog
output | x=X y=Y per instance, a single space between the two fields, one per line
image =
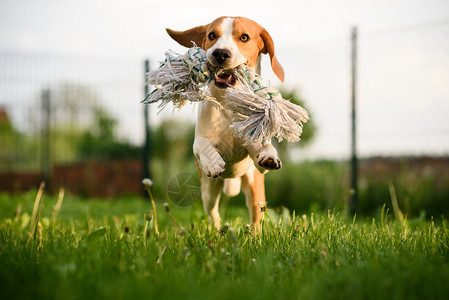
x=224 y=161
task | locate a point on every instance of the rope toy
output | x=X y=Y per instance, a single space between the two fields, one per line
x=259 y=113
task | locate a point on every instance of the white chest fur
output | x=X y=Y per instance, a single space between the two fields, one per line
x=214 y=124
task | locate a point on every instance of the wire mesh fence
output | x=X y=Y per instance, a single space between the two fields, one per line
x=49 y=104
x=54 y=108
x=402 y=92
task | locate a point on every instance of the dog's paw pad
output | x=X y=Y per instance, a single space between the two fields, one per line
x=213 y=166
x=269 y=162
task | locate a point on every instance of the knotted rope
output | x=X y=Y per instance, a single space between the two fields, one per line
x=258 y=113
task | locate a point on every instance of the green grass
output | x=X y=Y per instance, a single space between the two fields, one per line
x=100 y=250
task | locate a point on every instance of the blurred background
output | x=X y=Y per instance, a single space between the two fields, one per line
x=72 y=76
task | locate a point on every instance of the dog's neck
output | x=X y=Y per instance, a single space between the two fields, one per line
x=217 y=93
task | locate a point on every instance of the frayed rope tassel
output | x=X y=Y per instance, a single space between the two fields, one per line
x=257 y=120
x=259 y=113
x=180 y=78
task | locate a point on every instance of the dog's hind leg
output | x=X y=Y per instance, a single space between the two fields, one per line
x=232 y=186
x=254 y=189
x=210 y=194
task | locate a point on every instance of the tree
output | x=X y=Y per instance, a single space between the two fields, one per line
x=101 y=143
x=81 y=128
x=9 y=141
x=309 y=129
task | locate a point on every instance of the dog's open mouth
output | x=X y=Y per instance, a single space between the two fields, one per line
x=224 y=79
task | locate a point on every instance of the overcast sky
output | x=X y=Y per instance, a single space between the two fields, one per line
x=135 y=29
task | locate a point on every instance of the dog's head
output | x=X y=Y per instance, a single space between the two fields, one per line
x=230 y=42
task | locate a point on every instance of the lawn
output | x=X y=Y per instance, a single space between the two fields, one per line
x=96 y=249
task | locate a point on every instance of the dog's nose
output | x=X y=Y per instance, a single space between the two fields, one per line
x=221 y=55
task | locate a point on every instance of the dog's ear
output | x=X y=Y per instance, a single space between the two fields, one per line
x=269 y=48
x=188 y=37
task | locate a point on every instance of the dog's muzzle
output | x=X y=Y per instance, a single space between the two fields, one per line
x=224 y=79
x=221 y=56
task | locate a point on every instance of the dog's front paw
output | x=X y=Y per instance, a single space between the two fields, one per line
x=212 y=164
x=269 y=161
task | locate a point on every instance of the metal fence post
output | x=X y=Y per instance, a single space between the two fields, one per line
x=46 y=136
x=147 y=142
x=352 y=205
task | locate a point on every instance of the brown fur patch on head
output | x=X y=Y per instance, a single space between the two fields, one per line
x=254 y=45
x=197 y=35
x=214 y=27
x=259 y=40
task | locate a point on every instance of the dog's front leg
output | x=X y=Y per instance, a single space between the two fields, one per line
x=265 y=156
x=209 y=158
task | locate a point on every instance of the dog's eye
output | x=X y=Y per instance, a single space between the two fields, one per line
x=244 y=37
x=212 y=36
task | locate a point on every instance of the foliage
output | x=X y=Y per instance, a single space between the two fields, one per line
x=100 y=249
x=310 y=128
x=421 y=189
x=9 y=136
x=79 y=128
x=311 y=186
x=172 y=141
x=318 y=185
x=101 y=143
